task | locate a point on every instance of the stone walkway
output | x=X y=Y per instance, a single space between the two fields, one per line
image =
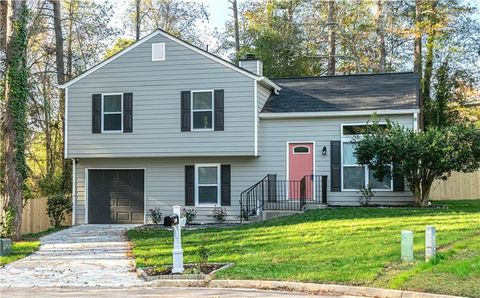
x=90 y=255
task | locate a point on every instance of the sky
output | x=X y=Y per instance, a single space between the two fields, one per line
x=219 y=11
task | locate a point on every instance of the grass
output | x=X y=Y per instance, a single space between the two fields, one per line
x=357 y=246
x=28 y=245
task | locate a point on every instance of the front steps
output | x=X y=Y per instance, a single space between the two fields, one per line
x=270 y=214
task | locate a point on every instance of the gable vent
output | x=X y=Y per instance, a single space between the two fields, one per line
x=158 y=52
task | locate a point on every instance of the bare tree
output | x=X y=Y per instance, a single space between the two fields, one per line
x=331 y=37
x=137 y=19
x=59 y=56
x=381 y=36
x=235 y=25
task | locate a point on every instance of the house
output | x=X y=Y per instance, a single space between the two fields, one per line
x=165 y=123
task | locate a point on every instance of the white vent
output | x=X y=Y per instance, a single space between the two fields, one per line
x=158 y=52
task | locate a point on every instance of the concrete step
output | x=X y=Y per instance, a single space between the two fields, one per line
x=270 y=214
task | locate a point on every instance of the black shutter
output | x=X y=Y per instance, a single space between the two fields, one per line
x=225 y=191
x=189 y=185
x=398 y=180
x=96 y=113
x=335 y=166
x=127 y=112
x=219 y=108
x=185 y=111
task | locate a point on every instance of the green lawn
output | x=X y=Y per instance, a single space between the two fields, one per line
x=28 y=245
x=359 y=246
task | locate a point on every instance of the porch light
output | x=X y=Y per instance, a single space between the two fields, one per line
x=324 y=150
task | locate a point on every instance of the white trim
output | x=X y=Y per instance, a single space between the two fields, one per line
x=113 y=58
x=108 y=168
x=102 y=113
x=162 y=45
x=218 y=185
x=288 y=163
x=336 y=114
x=65 y=109
x=212 y=110
x=255 y=121
x=74 y=190
x=366 y=123
x=415 y=122
x=158 y=31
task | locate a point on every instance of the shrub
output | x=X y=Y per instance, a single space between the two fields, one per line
x=189 y=214
x=7 y=223
x=57 y=207
x=219 y=214
x=204 y=254
x=155 y=215
x=366 y=195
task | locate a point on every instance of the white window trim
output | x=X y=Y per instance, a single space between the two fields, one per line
x=162 y=45
x=350 y=139
x=202 y=110
x=218 y=185
x=112 y=113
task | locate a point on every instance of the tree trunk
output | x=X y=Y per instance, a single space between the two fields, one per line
x=14 y=126
x=382 y=53
x=417 y=55
x=331 y=37
x=235 y=23
x=70 y=40
x=137 y=20
x=59 y=56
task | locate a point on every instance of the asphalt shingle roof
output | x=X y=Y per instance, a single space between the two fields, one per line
x=345 y=93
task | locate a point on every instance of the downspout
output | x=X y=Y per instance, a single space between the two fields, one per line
x=74 y=190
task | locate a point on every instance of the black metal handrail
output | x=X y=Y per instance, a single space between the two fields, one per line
x=289 y=195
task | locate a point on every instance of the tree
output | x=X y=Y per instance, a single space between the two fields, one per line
x=178 y=17
x=120 y=44
x=331 y=37
x=235 y=26
x=421 y=157
x=381 y=36
x=14 y=124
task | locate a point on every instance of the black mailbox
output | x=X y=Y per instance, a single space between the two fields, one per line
x=171 y=220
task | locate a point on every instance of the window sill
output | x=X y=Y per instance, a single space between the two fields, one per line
x=207 y=205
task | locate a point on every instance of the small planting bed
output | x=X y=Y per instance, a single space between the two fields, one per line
x=192 y=271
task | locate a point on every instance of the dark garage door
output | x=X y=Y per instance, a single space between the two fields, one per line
x=115 y=196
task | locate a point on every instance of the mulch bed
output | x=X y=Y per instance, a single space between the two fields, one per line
x=190 y=226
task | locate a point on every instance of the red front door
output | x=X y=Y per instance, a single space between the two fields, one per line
x=300 y=164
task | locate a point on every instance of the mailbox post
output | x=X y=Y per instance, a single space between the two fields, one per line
x=176 y=222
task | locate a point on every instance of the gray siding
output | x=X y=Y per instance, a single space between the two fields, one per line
x=165 y=176
x=156 y=87
x=262 y=96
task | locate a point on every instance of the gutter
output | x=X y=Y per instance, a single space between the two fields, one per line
x=291 y=115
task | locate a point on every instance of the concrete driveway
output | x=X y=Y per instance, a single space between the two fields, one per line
x=88 y=255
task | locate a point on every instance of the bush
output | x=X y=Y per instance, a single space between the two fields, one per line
x=7 y=223
x=155 y=215
x=57 y=207
x=204 y=254
x=189 y=214
x=366 y=195
x=219 y=214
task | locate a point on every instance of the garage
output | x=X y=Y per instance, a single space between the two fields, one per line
x=116 y=196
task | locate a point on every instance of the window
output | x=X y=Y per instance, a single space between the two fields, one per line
x=301 y=150
x=202 y=110
x=112 y=112
x=207 y=185
x=354 y=175
x=158 y=52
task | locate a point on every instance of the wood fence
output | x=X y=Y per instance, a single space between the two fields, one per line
x=459 y=186
x=35 y=218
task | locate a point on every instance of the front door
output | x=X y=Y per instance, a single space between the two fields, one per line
x=300 y=164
